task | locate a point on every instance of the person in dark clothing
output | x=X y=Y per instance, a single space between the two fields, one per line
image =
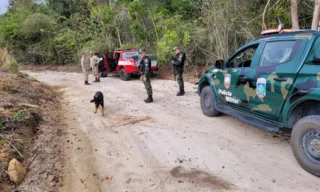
x=145 y=70
x=178 y=63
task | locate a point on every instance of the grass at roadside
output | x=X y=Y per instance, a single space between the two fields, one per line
x=7 y=62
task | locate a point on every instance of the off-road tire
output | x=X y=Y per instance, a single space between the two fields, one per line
x=123 y=75
x=208 y=103
x=310 y=125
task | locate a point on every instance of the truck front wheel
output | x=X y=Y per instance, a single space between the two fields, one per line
x=305 y=143
x=124 y=76
x=208 y=103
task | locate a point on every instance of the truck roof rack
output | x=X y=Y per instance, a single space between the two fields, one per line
x=124 y=49
x=282 y=30
x=275 y=31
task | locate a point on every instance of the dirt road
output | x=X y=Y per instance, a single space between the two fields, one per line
x=168 y=145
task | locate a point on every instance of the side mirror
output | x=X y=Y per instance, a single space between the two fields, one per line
x=219 y=64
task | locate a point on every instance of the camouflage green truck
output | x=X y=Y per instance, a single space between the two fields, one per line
x=272 y=82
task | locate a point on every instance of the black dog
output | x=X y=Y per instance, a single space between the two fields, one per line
x=98 y=100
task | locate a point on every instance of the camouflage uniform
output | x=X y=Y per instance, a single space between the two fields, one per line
x=178 y=63
x=85 y=68
x=94 y=60
x=145 y=69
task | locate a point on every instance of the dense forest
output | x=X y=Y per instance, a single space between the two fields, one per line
x=57 y=31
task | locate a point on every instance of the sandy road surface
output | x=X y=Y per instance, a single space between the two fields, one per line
x=168 y=145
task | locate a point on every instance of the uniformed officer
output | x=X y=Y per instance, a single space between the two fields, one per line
x=94 y=60
x=178 y=63
x=145 y=70
x=85 y=68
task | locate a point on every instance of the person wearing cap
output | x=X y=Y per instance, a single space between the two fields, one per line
x=145 y=70
x=178 y=63
x=94 y=60
x=85 y=68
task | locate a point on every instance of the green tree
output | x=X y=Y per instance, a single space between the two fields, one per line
x=57 y=31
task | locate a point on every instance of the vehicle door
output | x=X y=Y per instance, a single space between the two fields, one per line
x=116 y=57
x=274 y=75
x=109 y=62
x=101 y=64
x=230 y=82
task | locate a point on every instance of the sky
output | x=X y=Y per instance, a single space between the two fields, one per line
x=3 y=6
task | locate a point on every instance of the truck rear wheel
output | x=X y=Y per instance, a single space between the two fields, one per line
x=124 y=76
x=305 y=143
x=208 y=103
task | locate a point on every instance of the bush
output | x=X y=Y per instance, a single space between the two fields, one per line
x=36 y=25
x=98 y=46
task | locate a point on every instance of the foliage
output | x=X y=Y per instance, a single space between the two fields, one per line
x=17 y=116
x=2 y=121
x=36 y=25
x=174 y=32
x=58 y=31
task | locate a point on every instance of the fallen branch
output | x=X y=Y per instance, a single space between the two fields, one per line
x=136 y=121
x=3 y=137
x=29 y=105
x=130 y=121
x=32 y=159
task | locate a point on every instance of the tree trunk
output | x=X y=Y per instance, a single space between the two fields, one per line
x=116 y=26
x=264 y=27
x=155 y=28
x=316 y=14
x=294 y=14
x=110 y=5
x=119 y=37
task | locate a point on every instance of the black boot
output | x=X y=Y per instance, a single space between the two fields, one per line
x=96 y=80
x=180 y=93
x=149 y=99
x=86 y=83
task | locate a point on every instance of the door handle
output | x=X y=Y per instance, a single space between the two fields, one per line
x=280 y=79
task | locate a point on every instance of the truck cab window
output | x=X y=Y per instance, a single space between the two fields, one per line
x=243 y=58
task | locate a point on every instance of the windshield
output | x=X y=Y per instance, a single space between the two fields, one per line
x=129 y=54
x=136 y=56
x=278 y=52
x=152 y=57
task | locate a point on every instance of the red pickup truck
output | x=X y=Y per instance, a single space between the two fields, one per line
x=124 y=62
